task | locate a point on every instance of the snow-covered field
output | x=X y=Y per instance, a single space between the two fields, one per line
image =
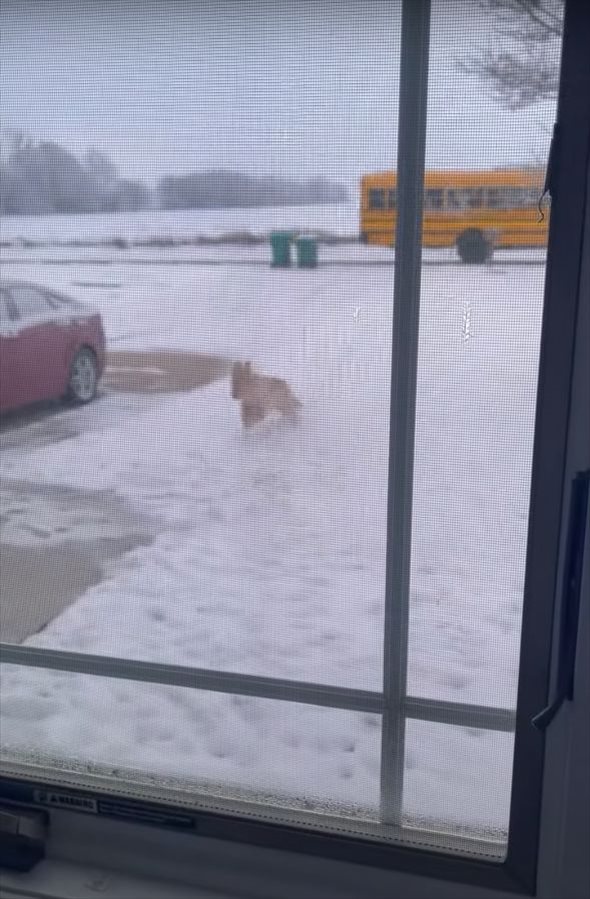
x=269 y=556
x=339 y=219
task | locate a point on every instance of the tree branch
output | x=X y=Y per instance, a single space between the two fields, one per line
x=521 y=71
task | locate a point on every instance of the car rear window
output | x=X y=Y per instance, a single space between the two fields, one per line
x=28 y=301
x=59 y=300
x=33 y=302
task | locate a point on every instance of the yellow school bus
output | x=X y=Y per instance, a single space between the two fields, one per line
x=474 y=211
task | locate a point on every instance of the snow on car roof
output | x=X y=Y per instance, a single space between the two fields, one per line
x=69 y=300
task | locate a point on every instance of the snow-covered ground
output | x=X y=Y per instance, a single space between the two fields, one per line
x=270 y=552
x=340 y=219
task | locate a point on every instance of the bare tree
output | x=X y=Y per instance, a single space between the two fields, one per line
x=42 y=177
x=101 y=169
x=523 y=68
x=225 y=189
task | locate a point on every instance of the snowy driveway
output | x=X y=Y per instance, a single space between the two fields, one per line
x=269 y=551
x=57 y=542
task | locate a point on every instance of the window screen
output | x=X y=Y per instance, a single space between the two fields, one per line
x=61 y=301
x=29 y=302
x=4 y=313
x=194 y=171
x=377 y=199
x=434 y=199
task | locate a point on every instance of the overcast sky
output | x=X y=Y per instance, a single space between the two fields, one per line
x=292 y=87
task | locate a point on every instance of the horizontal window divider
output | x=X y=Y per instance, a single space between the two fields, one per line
x=194 y=678
x=459 y=714
x=327 y=695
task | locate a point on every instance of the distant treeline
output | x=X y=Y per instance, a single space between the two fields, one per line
x=42 y=177
x=219 y=189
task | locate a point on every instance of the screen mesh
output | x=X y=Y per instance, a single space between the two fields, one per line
x=195 y=461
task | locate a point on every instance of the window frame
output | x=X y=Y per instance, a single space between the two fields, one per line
x=548 y=493
x=549 y=496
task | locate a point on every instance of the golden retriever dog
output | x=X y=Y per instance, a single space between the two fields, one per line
x=260 y=395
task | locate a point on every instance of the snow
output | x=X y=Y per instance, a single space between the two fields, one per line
x=269 y=556
x=335 y=218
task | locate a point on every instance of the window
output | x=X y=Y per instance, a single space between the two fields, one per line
x=457 y=199
x=494 y=198
x=29 y=303
x=466 y=198
x=434 y=200
x=60 y=300
x=315 y=622
x=376 y=198
x=474 y=198
x=391 y=198
x=530 y=196
x=513 y=197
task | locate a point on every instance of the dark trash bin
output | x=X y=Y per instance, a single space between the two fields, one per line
x=307 y=252
x=280 y=242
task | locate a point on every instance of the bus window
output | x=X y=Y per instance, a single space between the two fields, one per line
x=465 y=198
x=494 y=198
x=475 y=198
x=504 y=197
x=531 y=196
x=457 y=199
x=511 y=197
x=376 y=198
x=519 y=197
x=434 y=199
x=392 y=198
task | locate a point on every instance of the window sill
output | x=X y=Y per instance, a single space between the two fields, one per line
x=89 y=857
x=54 y=879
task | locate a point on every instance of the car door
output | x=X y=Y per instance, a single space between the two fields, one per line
x=37 y=356
x=8 y=355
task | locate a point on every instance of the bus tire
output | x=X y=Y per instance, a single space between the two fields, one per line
x=473 y=247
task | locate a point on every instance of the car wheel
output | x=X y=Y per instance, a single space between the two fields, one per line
x=83 y=379
x=473 y=247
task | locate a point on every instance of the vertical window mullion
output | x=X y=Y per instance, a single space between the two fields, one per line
x=406 y=306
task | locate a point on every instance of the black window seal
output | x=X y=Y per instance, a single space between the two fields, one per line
x=548 y=488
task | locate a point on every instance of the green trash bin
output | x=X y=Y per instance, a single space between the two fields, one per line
x=307 y=252
x=280 y=242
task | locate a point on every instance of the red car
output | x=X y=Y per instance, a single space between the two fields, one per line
x=51 y=346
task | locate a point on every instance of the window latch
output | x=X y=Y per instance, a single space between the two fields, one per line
x=571 y=595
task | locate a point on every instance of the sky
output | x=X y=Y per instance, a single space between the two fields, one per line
x=300 y=88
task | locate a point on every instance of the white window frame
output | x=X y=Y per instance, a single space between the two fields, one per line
x=548 y=501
